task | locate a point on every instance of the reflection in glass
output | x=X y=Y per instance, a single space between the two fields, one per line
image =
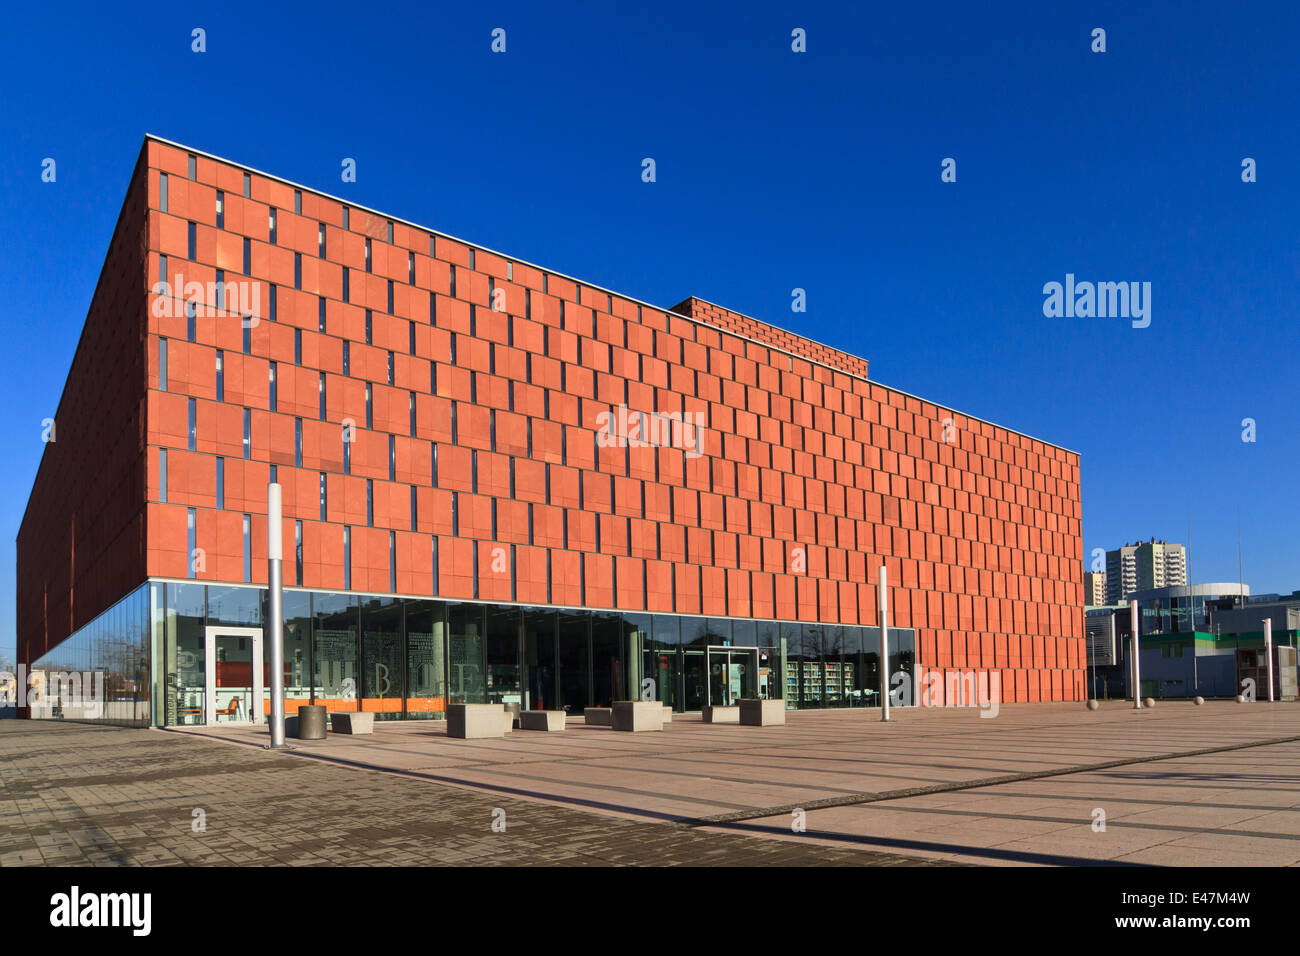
x=426 y=686
x=465 y=653
x=574 y=661
x=539 y=658
x=382 y=666
x=503 y=655
x=335 y=651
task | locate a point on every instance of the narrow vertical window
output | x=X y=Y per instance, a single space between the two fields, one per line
x=193 y=167
x=221 y=209
x=390 y=231
x=297 y=270
x=323 y=497
x=271 y=225
x=272 y=303
x=347 y=558
x=370 y=407
x=297 y=551
x=297 y=201
x=346 y=285
x=370 y=502
x=433 y=465
x=412 y=410
x=162 y=271
x=162 y=475
x=390 y=296
x=346 y=218
x=248 y=257
x=411 y=337
x=390 y=368
x=368 y=268
x=192 y=440
x=189 y=543
x=271 y=379
x=453 y=283
x=248 y=338
x=248 y=433
x=320 y=315
x=191 y=236
x=347 y=455
x=297 y=443
x=221 y=375
x=415 y=509
x=435 y=564
x=410 y=268
x=221 y=483
x=191 y=311
x=369 y=328
x=248 y=186
x=162 y=192
x=347 y=358
x=297 y=346
x=248 y=548
x=320 y=387
x=162 y=365
x=392 y=457
x=275 y=477
x=320 y=240
x=392 y=561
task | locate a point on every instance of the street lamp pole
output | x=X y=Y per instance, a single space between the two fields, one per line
x=1268 y=654
x=1135 y=670
x=275 y=578
x=884 y=645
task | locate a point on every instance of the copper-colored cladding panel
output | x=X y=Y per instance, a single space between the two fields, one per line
x=810 y=475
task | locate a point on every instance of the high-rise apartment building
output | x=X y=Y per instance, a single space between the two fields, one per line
x=1143 y=566
x=1094 y=588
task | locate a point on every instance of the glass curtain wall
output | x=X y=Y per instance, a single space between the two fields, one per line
x=407 y=658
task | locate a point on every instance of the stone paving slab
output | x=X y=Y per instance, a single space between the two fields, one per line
x=1167 y=813
x=696 y=773
x=85 y=795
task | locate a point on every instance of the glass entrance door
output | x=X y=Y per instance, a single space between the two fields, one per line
x=235 y=676
x=732 y=673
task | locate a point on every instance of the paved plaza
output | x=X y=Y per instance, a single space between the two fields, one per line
x=1176 y=785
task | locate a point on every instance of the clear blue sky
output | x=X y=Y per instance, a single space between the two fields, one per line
x=776 y=170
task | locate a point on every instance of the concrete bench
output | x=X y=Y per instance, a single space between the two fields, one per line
x=598 y=716
x=548 y=720
x=352 y=723
x=638 y=715
x=717 y=714
x=762 y=713
x=474 y=721
x=668 y=714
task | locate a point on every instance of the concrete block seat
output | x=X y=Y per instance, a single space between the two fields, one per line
x=637 y=716
x=762 y=713
x=476 y=721
x=352 y=723
x=547 y=720
x=668 y=714
x=598 y=716
x=718 y=714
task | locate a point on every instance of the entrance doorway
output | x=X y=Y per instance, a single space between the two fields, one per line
x=733 y=674
x=235 y=678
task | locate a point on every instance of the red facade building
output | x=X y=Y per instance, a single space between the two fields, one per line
x=439 y=418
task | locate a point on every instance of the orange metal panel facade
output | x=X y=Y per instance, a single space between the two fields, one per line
x=483 y=384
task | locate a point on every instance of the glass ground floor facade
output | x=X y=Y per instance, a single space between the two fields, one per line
x=182 y=653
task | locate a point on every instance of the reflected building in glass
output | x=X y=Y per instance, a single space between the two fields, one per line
x=504 y=485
